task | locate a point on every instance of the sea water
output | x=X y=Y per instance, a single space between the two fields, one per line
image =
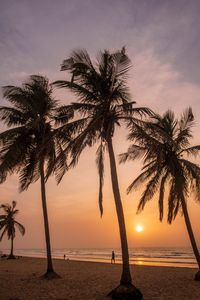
x=177 y=257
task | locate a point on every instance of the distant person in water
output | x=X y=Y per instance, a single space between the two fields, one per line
x=113 y=257
x=64 y=256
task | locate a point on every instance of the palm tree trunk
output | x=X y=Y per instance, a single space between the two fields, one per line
x=46 y=222
x=126 y=275
x=11 y=249
x=191 y=234
x=11 y=255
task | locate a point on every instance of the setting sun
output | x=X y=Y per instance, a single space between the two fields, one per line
x=139 y=228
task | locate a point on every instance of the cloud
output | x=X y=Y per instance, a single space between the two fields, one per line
x=160 y=85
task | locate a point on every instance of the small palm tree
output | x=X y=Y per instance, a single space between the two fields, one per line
x=104 y=103
x=29 y=147
x=8 y=224
x=165 y=147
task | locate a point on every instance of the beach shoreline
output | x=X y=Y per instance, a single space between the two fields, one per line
x=117 y=262
x=156 y=256
x=21 y=279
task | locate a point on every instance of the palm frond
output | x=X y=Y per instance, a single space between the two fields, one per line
x=134 y=152
x=29 y=172
x=161 y=195
x=11 y=116
x=13 y=151
x=87 y=137
x=63 y=114
x=60 y=166
x=84 y=93
x=193 y=176
x=172 y=203
x=16 y=96
x=145 y=175
x=184 y=130
x=151 y=188
x=14 y=204
x=79 y=59
x=122 y=64
x=186 y=119
x=194 y=150
x=3 y=233
x=20 y=227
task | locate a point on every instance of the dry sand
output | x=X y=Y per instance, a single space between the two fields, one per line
x=20 y=280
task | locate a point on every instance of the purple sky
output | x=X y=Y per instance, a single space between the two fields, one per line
x=36 y=35
x=162 y=39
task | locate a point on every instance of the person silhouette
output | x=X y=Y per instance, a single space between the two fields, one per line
x=64 y=256
x=113 y=257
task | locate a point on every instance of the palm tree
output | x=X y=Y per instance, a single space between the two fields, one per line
x=104 y=103
x=29 y=147
x=8 y=224
x=165 y=147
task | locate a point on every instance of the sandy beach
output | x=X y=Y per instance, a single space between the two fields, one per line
x=20 y=280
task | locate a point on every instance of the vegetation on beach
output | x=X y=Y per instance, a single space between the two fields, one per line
x=104 y=102
x=30 y=144
x=164 y=145
x=8 y=224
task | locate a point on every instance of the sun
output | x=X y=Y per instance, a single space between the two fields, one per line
x=139 y=228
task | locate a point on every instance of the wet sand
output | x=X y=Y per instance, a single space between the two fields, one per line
x=20 y=280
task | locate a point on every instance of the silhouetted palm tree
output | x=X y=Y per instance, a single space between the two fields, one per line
x=104 y=103
x=30 y=146
x=8 y=224
x=165 y=147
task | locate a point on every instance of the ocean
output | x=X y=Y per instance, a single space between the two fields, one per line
x=175 y=257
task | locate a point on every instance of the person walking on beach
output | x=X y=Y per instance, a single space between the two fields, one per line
x=113 y=257
x=64 y=256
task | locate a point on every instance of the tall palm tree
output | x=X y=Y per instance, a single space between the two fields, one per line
x=29 y=147
x=103 y=103
x=8 y=224
x=165 y=147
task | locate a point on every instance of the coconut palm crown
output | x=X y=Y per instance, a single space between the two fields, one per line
x=104 y=103
x=8 y=224
x=164 y=146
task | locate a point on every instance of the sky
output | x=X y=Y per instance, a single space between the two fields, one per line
x=162 y=40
